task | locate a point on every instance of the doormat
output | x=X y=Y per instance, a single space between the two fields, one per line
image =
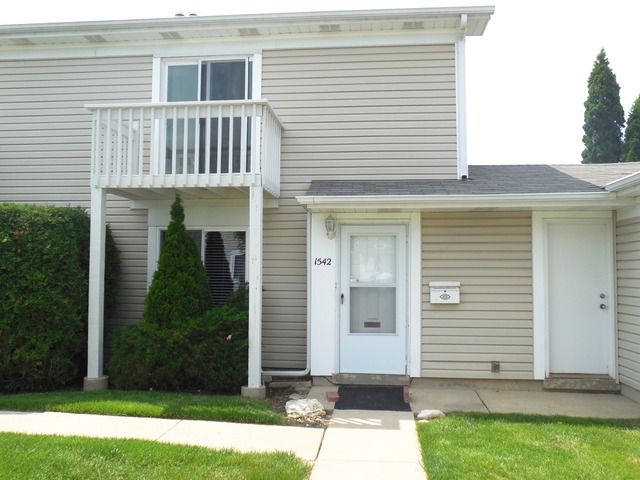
x=372 y=398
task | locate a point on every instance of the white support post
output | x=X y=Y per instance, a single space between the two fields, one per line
x=256 y=203
x=95 y=380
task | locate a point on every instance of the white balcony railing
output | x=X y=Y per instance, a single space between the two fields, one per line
x=186 y=144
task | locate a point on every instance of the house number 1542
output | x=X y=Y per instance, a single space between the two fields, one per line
x=322 y=261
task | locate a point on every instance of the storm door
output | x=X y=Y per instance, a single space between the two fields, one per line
x=373 y=322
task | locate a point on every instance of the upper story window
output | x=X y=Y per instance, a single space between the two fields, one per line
x=218 y=142
x=210 y=80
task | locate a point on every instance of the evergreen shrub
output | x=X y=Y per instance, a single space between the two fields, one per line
x=179 y=288
x=181 y=344
x=206 y=353
x=44 y=277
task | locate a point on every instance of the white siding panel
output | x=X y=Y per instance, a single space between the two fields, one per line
x=45 y=140
x=628 y=273
x=489 y=253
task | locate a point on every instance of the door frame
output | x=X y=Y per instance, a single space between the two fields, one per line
x=323 y=281
x=541 y=348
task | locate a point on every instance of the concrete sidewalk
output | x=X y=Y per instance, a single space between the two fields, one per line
x=303 y=442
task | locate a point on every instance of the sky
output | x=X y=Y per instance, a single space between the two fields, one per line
x=526 y=76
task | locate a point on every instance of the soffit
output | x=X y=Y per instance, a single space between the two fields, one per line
x=225 y=27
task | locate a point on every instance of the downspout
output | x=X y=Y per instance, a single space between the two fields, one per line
x=461 y=96
x=305 y=372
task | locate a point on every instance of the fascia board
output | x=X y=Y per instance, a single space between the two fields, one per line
x=466 y=202
x=229 y=23
x=625 y=186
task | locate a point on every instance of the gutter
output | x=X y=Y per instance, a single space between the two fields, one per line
x=474 y=202
x=631 y=183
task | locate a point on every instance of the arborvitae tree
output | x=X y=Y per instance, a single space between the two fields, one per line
x=603 y=115
x=631 y=147
x=179 y=288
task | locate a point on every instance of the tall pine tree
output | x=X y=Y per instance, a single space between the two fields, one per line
x=631 y=147
x=603 y=115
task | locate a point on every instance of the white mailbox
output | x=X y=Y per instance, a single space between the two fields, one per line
x=444 y=291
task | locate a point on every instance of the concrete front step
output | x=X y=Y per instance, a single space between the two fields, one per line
x=581 y=383
x=373 y=380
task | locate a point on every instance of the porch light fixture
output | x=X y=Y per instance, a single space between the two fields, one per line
x=330 y=225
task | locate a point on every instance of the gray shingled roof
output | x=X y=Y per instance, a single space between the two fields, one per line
x=488 y=180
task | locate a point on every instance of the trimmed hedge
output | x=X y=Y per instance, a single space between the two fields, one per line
x=44 y=272
x=207 y=353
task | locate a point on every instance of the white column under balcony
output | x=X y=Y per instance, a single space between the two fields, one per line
x=95 y=379
x=256 y=203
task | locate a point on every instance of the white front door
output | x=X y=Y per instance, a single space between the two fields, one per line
x=580 y=283
x=373 y=325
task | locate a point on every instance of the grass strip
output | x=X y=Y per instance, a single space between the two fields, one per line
x=148 y=404
x=481 y=446
x=52 y=457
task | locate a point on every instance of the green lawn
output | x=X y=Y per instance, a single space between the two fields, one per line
x=490 y=446
x=50 y=457
x=148 y=404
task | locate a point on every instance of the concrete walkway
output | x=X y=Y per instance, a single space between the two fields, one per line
x=591 y=405
x=370 y=444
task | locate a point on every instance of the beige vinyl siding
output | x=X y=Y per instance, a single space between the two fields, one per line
x=45 y=145
x=284 y=328
x=365 y=113
x=628 y=272
x=348 y=113
x=489 y=253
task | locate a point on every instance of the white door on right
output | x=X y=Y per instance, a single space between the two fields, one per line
x=580 y=303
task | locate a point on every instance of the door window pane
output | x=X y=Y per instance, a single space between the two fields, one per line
x=372 y=284
x=373 y=310
x=219 y=81
x=224 y=80
x=182 y=84
x=373 y=259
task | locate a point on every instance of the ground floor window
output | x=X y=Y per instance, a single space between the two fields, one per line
x=223 y=255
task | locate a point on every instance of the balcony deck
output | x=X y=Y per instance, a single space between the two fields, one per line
x=145 y=147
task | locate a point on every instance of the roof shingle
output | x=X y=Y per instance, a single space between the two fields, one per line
x=488 y=180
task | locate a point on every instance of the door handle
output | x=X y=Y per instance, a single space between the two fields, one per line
x=341 y=298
